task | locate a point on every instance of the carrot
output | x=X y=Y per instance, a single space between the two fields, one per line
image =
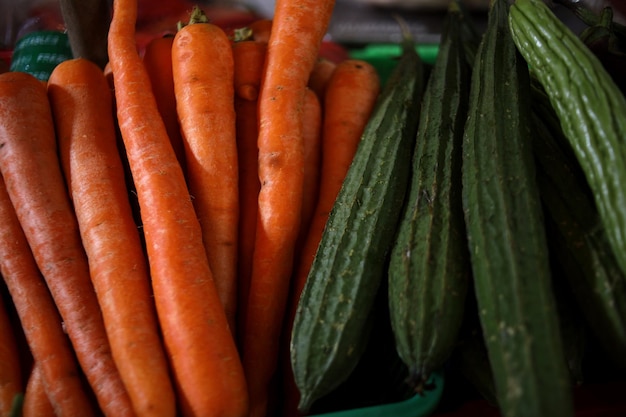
x=349 y=100
x=157 y=58
x=39 y=317
x=11 y=383
x=312 y=136
x=85 y=126
x=295 y=39
x=36 y=401
x=260 y=30
x=31 y=169
x=320 y=75
x=130 y=185
x=203 y=81
x=248 y=60
x=108 y=74
x=203 y=356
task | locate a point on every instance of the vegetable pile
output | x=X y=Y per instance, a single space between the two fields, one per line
x=504 y=261
x=230 y=225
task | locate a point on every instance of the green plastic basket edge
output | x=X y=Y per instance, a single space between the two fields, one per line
x=384 y=56
x=420 y=405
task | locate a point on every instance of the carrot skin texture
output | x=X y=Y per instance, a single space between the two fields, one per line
x=248 y=60
x=30 y=166
x=202 y=352
x=11 y=381
x=36 y=400
x=261 y=30
x=312 y=137
x=83 y=112
x=158 y=61
x=295 y=38
x=320 y=75
x=39 y=317
x=203 y=82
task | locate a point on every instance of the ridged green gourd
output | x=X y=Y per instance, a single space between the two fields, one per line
x=429 y=268
x=506 y=233
x=330 y=329
x=579 y=240
x=590 y=106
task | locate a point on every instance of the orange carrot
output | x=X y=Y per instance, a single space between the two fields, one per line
x=36 y=401
x=349 y=100
x=202 y=351
x=295 y=39
x=157 y=58
x=260 y=30
x=202 y=63
x=39 y=317
x=320 y=75
x=248 y=59
x=85 y=126
x=31 y=169
x=312 y=136
x=108 y=74
x=130 y=185
x=11 y=383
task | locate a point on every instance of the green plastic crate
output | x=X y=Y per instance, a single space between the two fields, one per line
x=384 y=56
x=420 y=405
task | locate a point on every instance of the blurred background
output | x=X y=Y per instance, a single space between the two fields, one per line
x=355 y=24
x=354 y=21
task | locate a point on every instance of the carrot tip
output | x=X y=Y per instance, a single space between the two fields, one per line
x=248 y=92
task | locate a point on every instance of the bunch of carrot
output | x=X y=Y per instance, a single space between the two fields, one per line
x=158 y=217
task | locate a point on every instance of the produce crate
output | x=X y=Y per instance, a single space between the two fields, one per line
x=420 y=405
x=383 y=56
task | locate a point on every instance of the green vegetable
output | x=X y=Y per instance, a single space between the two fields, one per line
x=429 y=266
x=578 y=240
x=591 y=108
x=331 y=324
x=473 y=363
x=506 y=233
